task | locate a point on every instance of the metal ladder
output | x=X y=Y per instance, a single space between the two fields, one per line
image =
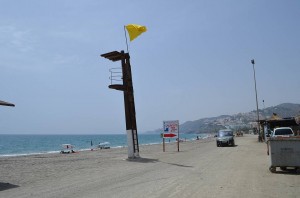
x=115 y=74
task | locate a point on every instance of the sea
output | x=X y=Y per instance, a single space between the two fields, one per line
x=20 y=145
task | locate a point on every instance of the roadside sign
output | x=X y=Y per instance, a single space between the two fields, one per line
x=171 y=126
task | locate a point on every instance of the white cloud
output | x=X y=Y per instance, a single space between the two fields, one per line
x=18 y=40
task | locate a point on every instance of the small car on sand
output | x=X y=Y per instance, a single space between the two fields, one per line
x=104 y=145
x=225 y=137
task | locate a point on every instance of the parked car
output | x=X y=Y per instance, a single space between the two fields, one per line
x=282 y=132
x=225 y=137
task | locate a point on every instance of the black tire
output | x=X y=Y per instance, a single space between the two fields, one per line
x=272 y=169
x=232 y=143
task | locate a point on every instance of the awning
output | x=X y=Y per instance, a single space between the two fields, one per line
x=284 y=122
x=6 y=103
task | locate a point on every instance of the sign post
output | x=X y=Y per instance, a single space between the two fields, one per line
x=164 y=147
x=170 y=129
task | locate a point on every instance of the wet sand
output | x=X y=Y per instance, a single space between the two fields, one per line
x=200 y=169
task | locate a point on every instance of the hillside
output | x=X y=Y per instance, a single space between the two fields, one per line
x=242 y=121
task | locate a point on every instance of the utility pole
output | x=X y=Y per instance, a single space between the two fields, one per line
x=127 y=88
x=252 y=61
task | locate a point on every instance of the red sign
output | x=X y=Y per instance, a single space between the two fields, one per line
x=169 y=135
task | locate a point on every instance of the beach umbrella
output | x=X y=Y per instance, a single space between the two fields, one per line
x=67 y=146
x=6 y=103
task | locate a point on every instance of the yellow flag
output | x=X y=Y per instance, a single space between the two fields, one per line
x=135 y=30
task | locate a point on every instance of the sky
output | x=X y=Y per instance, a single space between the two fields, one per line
x=193 y=62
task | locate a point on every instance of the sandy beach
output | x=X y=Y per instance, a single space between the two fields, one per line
x=200 y=169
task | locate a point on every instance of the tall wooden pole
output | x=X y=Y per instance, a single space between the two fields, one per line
x=127 y=88
x=252 y=61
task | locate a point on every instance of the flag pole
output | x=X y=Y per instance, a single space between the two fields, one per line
x=126 y=39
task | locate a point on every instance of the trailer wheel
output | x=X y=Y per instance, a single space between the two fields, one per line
x=283 y=168
x=272 y=169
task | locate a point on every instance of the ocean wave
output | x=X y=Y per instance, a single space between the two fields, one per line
x=28 y=154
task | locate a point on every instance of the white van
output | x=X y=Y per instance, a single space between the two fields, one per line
x=283 y=132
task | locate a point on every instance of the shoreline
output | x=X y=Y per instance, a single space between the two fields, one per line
x=88 y=148
x=112 y=149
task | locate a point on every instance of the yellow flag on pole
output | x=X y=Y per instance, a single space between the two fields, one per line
x=135 y=30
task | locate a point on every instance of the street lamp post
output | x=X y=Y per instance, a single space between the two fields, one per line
x=252 y=61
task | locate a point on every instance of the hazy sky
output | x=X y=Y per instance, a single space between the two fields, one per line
x=193 y=62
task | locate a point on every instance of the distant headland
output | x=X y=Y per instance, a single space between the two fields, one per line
x=240 y=121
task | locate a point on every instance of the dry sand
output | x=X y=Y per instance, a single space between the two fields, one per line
x=200 y=169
